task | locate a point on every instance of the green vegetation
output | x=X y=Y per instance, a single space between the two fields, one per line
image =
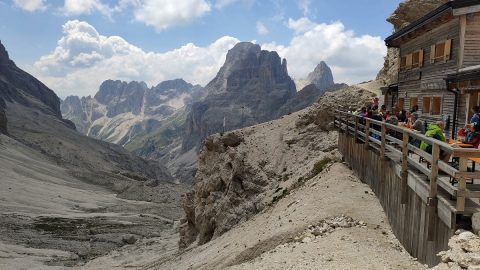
x=319 y=166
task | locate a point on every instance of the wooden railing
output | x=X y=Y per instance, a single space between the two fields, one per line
x=385 y=138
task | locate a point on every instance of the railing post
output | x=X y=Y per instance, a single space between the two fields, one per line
x=383 y=141
x=367 y=133
x=404 y=167
x=462 y=185
x=356 y=128
x=432 y=194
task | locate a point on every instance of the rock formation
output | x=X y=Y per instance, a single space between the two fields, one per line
x=406 y=13
x=250 y=88
x=243 y=171
x=321 y=76
x=3 y=117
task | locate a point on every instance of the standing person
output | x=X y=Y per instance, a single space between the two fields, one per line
x=476 y=115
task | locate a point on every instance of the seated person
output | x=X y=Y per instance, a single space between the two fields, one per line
x=476 y=115
x=435 y=131
x=473 y=137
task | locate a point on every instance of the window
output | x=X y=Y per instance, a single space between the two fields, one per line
x=441 y=52
x=436 y=106
x=432 y=105
x=413 y=102
x=417 y=59
x=403 y=63
x=412 y=60
x=426 y=105
x=401 y=102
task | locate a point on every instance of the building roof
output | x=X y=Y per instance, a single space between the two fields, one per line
x=470 y=73
x=430 y=17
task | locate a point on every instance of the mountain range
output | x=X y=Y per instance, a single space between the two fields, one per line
x=168 y=122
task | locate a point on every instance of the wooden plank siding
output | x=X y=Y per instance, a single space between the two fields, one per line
x=472 y=40
x=430 y=80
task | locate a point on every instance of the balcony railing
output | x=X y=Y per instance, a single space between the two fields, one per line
x=395 y=143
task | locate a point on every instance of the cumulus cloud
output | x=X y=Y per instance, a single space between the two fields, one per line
x=353 y=58
x=83 y=59
x=162 y=14
x=30 y=5
x=261 y=28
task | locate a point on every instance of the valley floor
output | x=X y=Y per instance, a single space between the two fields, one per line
x=280 y=238
x=50 y=220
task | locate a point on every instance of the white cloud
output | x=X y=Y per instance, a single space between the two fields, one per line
x=223 y=3
x=162 y=14
x=83 y=59
x=261 y=28
x=30 y=5
x=352 y=58
x=79 y=7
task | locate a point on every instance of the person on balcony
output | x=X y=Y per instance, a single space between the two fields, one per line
x=473 y=136
x=476 y=115
x=435 y=131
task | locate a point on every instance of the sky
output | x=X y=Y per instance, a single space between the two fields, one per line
x=74 y=45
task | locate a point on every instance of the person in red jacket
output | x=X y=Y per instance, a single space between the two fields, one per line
x=473 y=137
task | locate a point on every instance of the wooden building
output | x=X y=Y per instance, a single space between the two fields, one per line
x=439 y=64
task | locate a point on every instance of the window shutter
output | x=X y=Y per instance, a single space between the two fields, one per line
x=420 y=58
x=448 y=49
x=432 y=54
x=409 y=61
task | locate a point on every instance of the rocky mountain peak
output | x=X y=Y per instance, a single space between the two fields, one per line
x=321 y=76
x=178 y=84
x=3 y=54
x=250 y=88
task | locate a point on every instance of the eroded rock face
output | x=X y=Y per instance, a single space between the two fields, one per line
x=3 y=117
x=19 y=86
x=250 y=88
x=406 y=13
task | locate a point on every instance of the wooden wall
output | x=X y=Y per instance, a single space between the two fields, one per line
x=429 y=79
x=409 y=221
x=472 y=40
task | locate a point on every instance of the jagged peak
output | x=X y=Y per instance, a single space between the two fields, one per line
x=4 y=58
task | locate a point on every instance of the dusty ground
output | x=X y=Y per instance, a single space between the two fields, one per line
x=48 y=219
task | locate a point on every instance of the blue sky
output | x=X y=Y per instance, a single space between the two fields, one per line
x=162 y=39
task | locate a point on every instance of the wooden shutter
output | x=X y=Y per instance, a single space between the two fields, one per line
x=420 y=58
x=448 y=50
x=409 y=61
x=432 y=54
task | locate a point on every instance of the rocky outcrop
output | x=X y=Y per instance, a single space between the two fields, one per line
x=321 y=76
x=306 y=97
x=463 y=252
x=121 y=97
x=243 y=171
x=406 y=13
x=250 y=88
x=19 y=86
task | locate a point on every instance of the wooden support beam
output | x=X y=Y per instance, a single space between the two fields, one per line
x=367 y=132
x=404 y=168
x=432 y=213
x=462 y=184
x=356 y=129
x=383 y=139
x=434 y=170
